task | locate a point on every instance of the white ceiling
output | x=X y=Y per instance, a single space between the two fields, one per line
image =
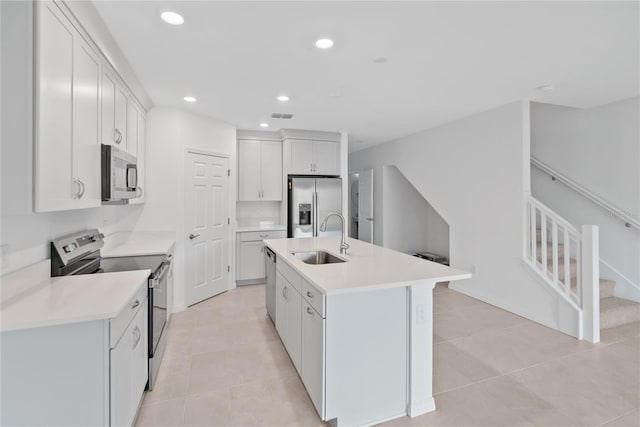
x=446 y=60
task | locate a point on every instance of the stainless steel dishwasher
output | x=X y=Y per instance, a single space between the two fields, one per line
x=270 y=290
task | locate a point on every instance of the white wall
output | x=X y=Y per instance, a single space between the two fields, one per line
x=475 y=173
x=25 y=235
x=410 y=222
x=170 y=132
x=599 y=149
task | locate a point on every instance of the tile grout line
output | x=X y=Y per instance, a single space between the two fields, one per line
x=618 y=417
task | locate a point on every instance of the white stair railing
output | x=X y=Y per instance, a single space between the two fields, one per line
x=558 y=251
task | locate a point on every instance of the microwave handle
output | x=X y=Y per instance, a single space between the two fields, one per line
x=132 y=176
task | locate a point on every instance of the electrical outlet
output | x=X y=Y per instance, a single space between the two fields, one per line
x=5 y=252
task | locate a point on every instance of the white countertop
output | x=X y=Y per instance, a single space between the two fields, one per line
x=71 y=299
x=138 y=243
x=368 y=266
x=273 y=227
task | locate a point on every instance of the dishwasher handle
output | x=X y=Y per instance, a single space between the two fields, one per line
x=270 y=254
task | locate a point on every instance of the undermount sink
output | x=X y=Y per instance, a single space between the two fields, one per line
x=318 y=257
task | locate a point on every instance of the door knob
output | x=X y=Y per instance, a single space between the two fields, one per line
x=193 y=236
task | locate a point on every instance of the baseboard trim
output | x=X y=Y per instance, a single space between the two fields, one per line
x=515 y=310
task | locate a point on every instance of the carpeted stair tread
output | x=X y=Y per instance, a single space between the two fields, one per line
x=617 y=311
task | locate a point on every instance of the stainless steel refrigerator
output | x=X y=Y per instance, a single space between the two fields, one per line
x=310 y=201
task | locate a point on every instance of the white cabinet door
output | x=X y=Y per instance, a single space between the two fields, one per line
x=313 y=356
x=108 y=104
x=281 y=307
x=121 y=364
x=271 y=170
x=327 y=158
x=142 y=160
x=300 y=157
x=294 y=325
x=86 y=124
x=249 y=170
x=54 y=186
x=122 y=102
x=132 y=129
x=140 y=360
x=251 y=260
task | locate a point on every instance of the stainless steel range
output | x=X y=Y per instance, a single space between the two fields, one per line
x=79 y=253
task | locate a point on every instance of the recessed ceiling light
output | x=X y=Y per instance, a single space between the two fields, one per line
x=324 y=43
x=189 y=99
x=545 y=88
x=172 y=18
x=264 y=125
x=380 y=59
x=283 y=98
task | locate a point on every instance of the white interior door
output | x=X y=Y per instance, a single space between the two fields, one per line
x=365 y=206
x=206 y=226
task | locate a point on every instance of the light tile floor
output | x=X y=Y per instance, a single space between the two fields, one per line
x=225 y=366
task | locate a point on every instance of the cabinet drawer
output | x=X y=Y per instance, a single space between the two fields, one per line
x=118 y=325
x=313 y=297
x=290 y=274
x=248 y=236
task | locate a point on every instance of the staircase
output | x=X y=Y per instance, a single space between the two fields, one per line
x=614 y=311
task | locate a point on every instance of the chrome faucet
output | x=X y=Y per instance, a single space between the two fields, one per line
x=323 y=227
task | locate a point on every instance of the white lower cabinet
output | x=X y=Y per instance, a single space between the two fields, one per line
x=288 y=318
x=313 y=327
x=250 y=265
x=129 y=370
x=89 y=373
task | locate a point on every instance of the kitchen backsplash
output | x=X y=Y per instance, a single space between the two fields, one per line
x=253 y=212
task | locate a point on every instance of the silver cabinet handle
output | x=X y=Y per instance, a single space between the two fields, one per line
x=309 y=311
x=135 y=304
x=193 y=236
x=369 y=219
x=76 y=184
x=137 y=335
x=309 y=294
x=118 y=137
x=264 y=236
x=82 y=189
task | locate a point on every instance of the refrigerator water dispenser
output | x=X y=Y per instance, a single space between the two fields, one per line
x=304 y=213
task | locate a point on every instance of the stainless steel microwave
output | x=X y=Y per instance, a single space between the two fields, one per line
x=119 y=175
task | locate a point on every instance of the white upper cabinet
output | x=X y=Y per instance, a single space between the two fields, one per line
x=132 y=129
x=142 y=159
x=259 y=170
x=314 y=157
x=86 y=124
x=67 y=150
x=80 y=102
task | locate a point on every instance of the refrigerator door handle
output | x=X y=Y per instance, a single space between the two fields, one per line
x=314 y=209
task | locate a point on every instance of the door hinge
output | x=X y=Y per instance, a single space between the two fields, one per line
x=228 y=268
x=228 y=172
x=229 y=221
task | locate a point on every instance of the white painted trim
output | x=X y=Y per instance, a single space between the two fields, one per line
x=590 y=280
x=207 y=153
x=551 y=286
x=625 y=287
x=420 y=408
x=609 y=207
x=514 y=309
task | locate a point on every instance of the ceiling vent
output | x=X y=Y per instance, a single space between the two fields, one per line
x=281 y=116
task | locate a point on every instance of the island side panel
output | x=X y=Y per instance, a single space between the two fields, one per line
x=367 y=356
x=421 y=350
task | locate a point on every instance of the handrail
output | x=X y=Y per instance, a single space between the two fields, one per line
x=628 y=219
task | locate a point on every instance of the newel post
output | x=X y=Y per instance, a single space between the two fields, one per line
x=590 y=275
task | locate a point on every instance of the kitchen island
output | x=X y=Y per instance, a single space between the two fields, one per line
x=358 y=327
